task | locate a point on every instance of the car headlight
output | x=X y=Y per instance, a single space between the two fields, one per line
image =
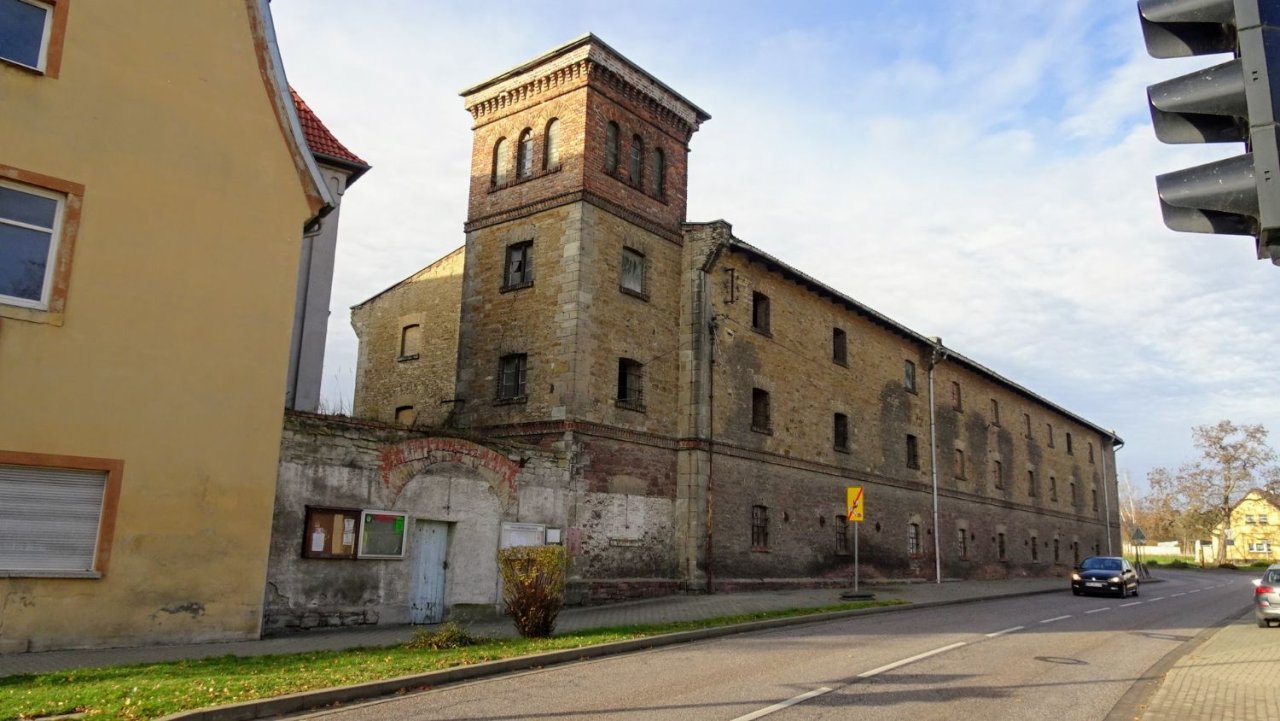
x=1114 y=579
x=1075 y=577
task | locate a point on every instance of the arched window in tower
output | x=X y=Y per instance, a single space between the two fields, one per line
x=635 y=169
x=658 y=174
x=551 y=146
x=611 y=148
x=524 y=154
x=498 y=175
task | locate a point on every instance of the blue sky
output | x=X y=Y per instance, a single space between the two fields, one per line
x=982 y=171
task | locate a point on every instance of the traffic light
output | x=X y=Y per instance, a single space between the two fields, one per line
x=1232 y=102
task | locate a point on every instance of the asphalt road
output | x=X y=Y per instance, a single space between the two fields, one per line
x=1050 y=656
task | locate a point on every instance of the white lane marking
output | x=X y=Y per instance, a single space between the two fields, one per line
x=1007 y=630
x=1157 y=598
x=1134 y=603
x=1055 y=618
x=905 y=661
x=1099 y=610
x=1177 y=594
x=779 y=706
x=1194 y=590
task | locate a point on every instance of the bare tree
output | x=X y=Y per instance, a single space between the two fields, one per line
x=1233 y=459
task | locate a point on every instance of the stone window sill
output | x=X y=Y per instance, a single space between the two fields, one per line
x=409 y=357
x=517 y=400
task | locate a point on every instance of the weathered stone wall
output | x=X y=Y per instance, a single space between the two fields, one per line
x=386 y=379
x=796 y=465
x=618 y=536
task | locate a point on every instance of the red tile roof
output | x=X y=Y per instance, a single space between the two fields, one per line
x=319 y=140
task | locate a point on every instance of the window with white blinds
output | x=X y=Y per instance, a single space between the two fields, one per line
x=49 y=518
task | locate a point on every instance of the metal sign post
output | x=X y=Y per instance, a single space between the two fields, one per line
x=855 y=511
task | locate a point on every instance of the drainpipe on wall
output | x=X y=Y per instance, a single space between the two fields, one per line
x=1106 y=497
x=712 y=327
x=937 y=355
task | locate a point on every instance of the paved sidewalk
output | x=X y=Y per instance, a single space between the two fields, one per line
x=1234 y=676
x=658 y=610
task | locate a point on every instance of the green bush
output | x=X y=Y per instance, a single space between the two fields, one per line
x=1228 y=566
x=1259 y=564
x=1179 y=563
x=449 y=635
x=1152 y=562
x=533 y=586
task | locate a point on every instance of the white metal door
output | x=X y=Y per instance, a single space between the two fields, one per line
x=430 y=543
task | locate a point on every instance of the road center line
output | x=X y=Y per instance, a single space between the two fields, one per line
x=1132 y=603
x=905 y=661
x=1099 y=610
x=1177 y=594
x=779 y=706
x=1007 y=630
x=1055 y=618
x=1157 y=598
x=1194 y=590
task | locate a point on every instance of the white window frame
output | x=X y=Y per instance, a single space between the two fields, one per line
x=55 y=241
x=45 y=36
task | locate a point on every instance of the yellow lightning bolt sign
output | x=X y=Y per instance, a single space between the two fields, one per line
x=853 y=503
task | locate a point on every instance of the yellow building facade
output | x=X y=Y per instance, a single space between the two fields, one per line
x=1255 y=528
x=153 y=185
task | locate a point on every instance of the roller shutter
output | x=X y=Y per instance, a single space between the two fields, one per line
x=49 y=518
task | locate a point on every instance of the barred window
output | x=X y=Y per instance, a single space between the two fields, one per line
x=759 y=528
x=512 y=370
x=633 y=272
x=518 y=272
x=913 y=539
x=630 y=384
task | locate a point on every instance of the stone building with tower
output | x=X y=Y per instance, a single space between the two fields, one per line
x=681 y=409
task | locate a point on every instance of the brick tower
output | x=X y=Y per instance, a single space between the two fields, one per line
x=571 y=288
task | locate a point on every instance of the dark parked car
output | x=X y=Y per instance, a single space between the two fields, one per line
x=1266 y=597
x=1105 y=574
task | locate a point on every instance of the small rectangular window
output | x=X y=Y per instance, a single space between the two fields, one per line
x=913 y=452
x=1035 y=549
x=405 y=415
x=512 y=370
x=760 y=313
x=956 y=399
x=633 y=273
x=840 y=431
x=330 y=532
x=1048 y=429
x=997 y=474
x=410 y=342
x=909 y=376
x=1073 y=493
x=1026 y=422
x=1248 y=518
x=962 y=543
x=957 y=465
x=760 y=420
x=842 y=535
x=1053 y=488
x=759 y=528
x=1057 y=553
x=630 y=384
x=1031 y=483
x=382 y=534
x=995 y=412
x=1001 y=551
x=56 y=518
x=30 y=228
x=1094 y=492
x=1070 y=448
x=839 y=347
x=518 y=271
x=26 y=29
x=1091 y=451
x=913 y=539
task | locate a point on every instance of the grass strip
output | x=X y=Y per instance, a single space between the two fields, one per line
x=146 y=691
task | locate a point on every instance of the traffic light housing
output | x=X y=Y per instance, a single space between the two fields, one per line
x=1235 y=101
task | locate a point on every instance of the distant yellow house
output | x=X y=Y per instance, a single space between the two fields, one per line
x=1254 y=528
x=153 y=189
